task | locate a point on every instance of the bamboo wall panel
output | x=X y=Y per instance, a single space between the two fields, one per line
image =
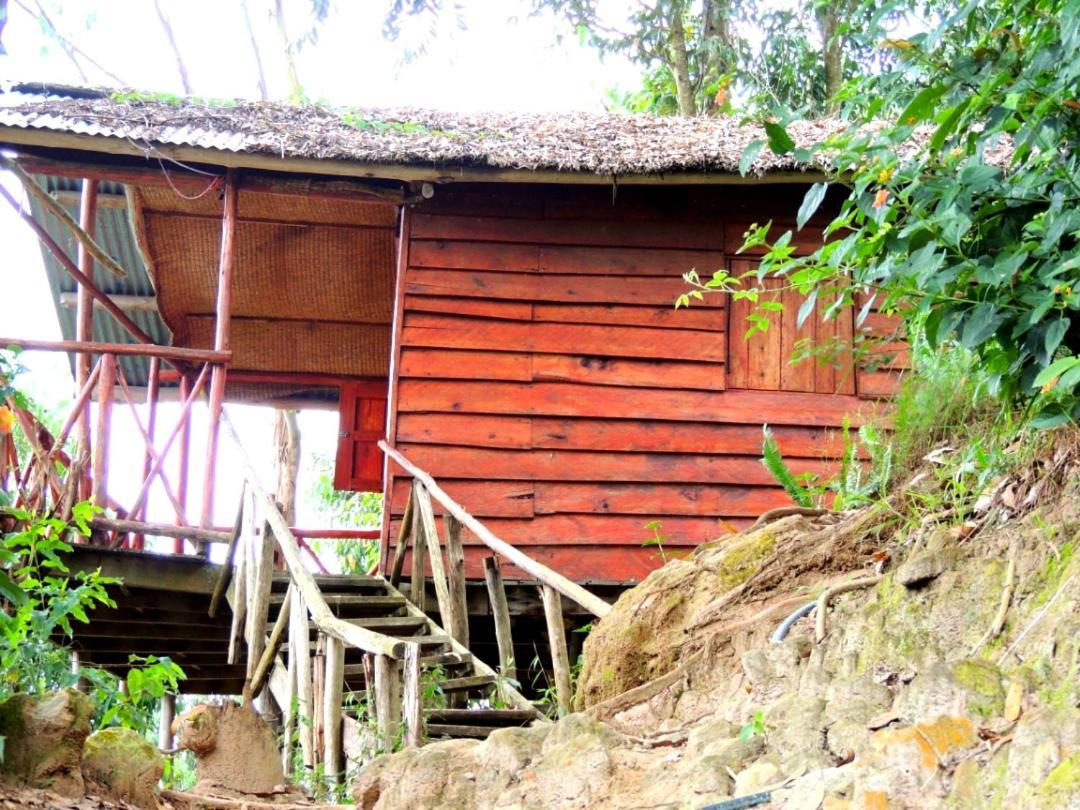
x=548 y=383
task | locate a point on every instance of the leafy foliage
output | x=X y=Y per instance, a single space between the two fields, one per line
x=350 y=510
x=42 y=600
x=774 y=463
x=961 y=210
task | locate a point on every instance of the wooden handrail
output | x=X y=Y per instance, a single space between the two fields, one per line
x=571 y=590
x=321 y=615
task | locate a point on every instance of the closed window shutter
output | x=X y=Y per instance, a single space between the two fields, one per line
x=362 y=410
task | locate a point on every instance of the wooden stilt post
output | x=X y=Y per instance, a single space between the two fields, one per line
x=425 y=514
x=84 y=319
x=259 y=603
x=300 y=651
x=184 y=462
x=560 y=659
x=455 y=559
x=412 y=703
x=106 y=380
x=165 y=721
x=289 y=723
x=418 y=577
x=500 y=610
x=153 y=385
x=226 y=265
x=318 y=691
x=333 y=694
x=387 y=700
x=403 y=540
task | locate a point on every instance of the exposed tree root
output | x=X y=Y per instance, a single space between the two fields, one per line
x=822 y=609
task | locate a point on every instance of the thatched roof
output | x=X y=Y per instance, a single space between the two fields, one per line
x=605 y=144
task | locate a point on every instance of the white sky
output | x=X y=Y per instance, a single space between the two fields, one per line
x=503 y=60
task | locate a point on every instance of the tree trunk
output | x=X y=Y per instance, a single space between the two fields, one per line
x=261 y=76
x=296 y=90
x=287 y=441
x=720 y=58
x=828 y=19
x=680 y=62
x=180 y=67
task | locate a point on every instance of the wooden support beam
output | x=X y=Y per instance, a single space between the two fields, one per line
x=560 y=658
x=160 y=530
x=333 y=695
x=259 y=602
x=418 y=577
x=447 y=606
x=149 y=455
x=165 y=721
x=184 y=461
x=403 y=540
x=181 y=420
x=269 y=653
x=412 y=700
x=83 y=237
x=566 y=587
x=176 y=353
x=500 y=611
x=62 y=257
x=223 y=311
x=106 y=378
x=84 y=321
x=288 y=709
x=300 y=652
x=128 y=303
x=80 y=412
x=318 y=690
x=455 y=560
x=239 y=601
x=387 y=701
x=222 y=584
x=152 y=390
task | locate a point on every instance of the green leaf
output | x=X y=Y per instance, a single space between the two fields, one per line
x=134 y=683
x=945 y=129
x=980 y=325
x=11 y=591
x=749 y=155
x=922 y=106
x=1055 y=370
x=779 y=141
x=1054 y=334
x=810 y=204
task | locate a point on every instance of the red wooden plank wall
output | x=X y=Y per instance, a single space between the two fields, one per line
x=546 y=381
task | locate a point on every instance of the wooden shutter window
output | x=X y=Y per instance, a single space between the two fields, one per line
x=362 y=412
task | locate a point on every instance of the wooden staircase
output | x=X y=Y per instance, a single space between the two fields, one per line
x=465 y=697
x=361 y=660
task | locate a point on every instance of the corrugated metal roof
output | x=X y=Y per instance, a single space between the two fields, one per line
x=114 y=234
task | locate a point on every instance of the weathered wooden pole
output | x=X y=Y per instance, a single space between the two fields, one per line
x=560 y=658
x=412 y=702
x=153 y=385
x=387 y=700
x=333 y=694
x=184 y=461
x=455 y=559
x=300 y=651
x=425 y=514
x=106 y=381
x=165 y=721
x=84 y=319
x=500 y=611
x=226 y=265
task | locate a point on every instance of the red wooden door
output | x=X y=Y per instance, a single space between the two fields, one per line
x=362 y=411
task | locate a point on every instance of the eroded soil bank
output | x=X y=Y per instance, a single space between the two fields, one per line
x=947 y=676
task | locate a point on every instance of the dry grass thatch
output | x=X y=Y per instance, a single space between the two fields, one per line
x=607 y=144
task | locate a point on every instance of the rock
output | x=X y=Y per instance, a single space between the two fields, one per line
x=234 y=748
x=903 y=765
x=43 y=739
x=794 y=725
x=922 y=568
x=711 y=731
x=969 y=686
x=1041 y=756
x=759 y=775
x=734 y=754
x=123 y=765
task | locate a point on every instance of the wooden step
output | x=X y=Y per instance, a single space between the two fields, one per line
x=448 y=659
x=391 y=625
x=440 y=730
x=370 y=602
x=463 y=684
x=480 y=717
x=335 y=583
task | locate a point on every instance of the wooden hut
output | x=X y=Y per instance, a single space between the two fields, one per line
x=491 y=294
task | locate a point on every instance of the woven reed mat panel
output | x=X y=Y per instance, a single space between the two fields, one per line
x=286 y=208
x=255 y=393
x=361 y=350
x=311 y=272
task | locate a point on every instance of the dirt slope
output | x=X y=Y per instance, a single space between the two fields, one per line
x=910 y=699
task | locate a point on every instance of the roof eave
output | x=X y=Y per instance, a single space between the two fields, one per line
x=53 y=139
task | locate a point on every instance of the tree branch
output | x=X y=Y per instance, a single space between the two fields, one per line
x=180 y=67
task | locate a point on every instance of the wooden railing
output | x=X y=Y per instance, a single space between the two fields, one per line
x=419 y=530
